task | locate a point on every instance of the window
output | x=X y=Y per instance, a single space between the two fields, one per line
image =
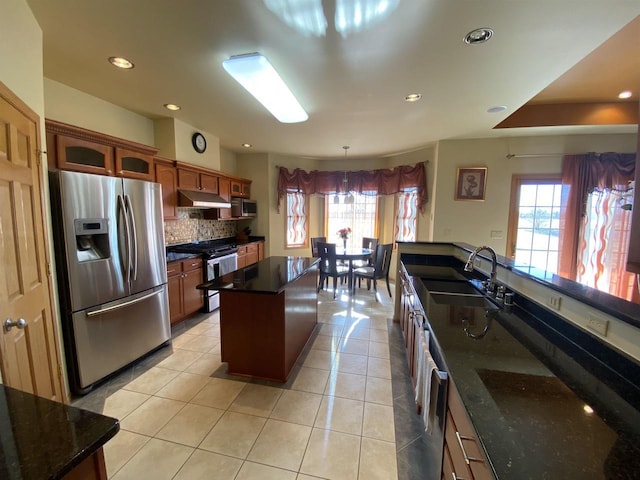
x=406 y=216
x=534 y=221
x=360 y=216
x=297 y=224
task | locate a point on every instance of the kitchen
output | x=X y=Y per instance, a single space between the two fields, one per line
x=445 y=224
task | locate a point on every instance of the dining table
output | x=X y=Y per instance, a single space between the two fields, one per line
x=351 y=254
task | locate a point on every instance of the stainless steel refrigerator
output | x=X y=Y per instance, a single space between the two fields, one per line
x=111 y=264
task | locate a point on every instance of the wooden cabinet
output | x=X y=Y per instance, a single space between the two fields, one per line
x=184 y=298
x=240 y=189
x=250 y=253
x=189 y=179
x=92 y=468
x=83 y=156
x=133 y=164
x=224 y=190
x=167 y=177
x=463 y=455
x=82 y=150
x=242 y=256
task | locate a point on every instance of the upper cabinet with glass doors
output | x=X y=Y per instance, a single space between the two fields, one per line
x=81 y=150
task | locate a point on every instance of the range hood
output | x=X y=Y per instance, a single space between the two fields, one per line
x=197 y=199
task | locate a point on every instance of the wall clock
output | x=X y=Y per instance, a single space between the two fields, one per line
x=199 y=143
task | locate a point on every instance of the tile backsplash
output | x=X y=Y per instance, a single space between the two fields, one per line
x=191 y=226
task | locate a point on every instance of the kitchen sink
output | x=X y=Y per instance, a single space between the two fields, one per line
x=464 y=300
x=438 y=286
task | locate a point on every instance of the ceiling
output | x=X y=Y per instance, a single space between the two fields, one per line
x=353 y=83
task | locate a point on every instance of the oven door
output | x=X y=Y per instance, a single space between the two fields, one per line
x=216 y=267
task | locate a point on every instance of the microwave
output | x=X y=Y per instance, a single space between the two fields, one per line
x=243 y=207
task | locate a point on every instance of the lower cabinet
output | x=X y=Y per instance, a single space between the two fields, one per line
x=250 y=253
x=92 y=468
x=184 y=298
x=463 y=456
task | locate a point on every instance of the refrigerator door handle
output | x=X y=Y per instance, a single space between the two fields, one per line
x=126 y=262
x=134 y=236
x=101 y=311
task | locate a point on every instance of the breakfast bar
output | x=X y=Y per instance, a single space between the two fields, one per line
x=268 y=311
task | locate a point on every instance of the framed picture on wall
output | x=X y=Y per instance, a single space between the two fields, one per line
x=471 y=184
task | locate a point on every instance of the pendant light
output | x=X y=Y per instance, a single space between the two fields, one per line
x=349 y=198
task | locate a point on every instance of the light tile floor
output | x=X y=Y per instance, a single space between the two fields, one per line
x=183 y=417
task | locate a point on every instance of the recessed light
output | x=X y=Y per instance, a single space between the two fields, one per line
x=497 y=109
x=171 y=106
x=247 y=145
x=625 y=94
x=121 y=62
x=479 y=35
x=413 y=97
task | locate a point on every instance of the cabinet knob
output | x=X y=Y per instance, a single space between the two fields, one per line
x=109 y=172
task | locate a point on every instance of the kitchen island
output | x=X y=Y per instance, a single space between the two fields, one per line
x=268 y=311
x=42 y=439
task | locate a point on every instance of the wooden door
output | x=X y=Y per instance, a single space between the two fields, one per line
x=29 y=355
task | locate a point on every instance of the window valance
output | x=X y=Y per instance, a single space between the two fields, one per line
x=380 y=182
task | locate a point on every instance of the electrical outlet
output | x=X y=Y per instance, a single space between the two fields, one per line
x=477 y=262
x=554 y=301
x=598 y=325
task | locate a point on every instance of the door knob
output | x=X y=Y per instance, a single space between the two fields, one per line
x=9 y=324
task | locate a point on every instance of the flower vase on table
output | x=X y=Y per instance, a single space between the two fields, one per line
x=344 y=234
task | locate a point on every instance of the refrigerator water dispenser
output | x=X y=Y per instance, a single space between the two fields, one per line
x=92 y=238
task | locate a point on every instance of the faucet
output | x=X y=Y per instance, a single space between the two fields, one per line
x=494 y=265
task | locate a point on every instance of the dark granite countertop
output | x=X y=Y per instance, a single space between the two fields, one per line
x=174 y=257
x=41 y=439
x=628 y=312
x=546 y=399
x=270 y=275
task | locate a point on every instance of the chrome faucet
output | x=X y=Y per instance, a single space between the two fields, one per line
x=494 y=265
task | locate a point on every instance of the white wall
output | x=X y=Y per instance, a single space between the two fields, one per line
x=21 y=54
x=184 y=149
x=473 y=222
x=69 y=105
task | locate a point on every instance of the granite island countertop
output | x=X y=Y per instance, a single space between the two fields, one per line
x=42 y=439
x=544 y=399
x=270 y=275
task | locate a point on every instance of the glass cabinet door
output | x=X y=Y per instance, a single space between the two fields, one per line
x=84 y=156
x=132 y=164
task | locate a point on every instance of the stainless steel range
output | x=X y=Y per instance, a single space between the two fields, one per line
x=218 y=257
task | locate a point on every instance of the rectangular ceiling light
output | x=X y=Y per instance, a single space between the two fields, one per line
x=254 y=72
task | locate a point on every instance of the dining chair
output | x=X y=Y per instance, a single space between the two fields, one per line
x=329 y=267
x=380 y=269
x=314 y=245
x=371 y=244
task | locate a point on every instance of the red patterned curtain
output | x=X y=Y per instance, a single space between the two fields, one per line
x=381 y=182
x=592 y=230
